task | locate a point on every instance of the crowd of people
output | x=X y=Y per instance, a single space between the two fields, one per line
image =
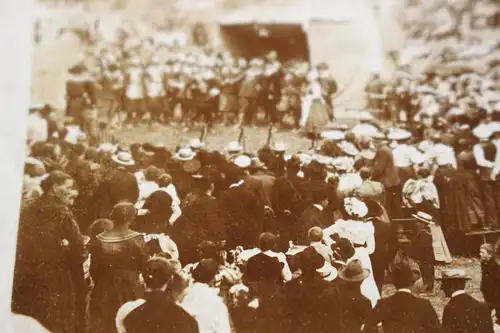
x=116 y=238
x=131 y=239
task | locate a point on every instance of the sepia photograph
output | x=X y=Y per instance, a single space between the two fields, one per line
x=254 y=166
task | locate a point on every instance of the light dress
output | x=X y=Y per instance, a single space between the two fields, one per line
x=359 y=233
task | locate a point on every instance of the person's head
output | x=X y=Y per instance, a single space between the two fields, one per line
x=207 y=250
x=315 y=234
x=453 y=280
x=353 y=274
x=320 y=196
x=99 y=227
x=152 y=174
x=365 y=173
x=123 y=214
x=60 y=185
x=206 y=271
x=486 y=252
x=293 y=165
x=158 y=273
x=267 y=241
x=402 y=276
x=164 y=180
x=423 y=173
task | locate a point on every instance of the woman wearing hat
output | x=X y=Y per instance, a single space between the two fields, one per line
x=314 y=108
x=361 y=233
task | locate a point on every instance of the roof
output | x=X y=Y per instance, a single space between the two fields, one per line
x=295 y=12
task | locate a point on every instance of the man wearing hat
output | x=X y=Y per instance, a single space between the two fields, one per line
x=403 y=311
x=422 y=249
x=120 y=185
x=259 y=171
x=484 y=154
x=463 y=313
x=355 y=306
x=385 y=172
x=316 y=215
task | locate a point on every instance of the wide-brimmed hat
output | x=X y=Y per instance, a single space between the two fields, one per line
x=328 y=272
x=242 y=161
x=280 y=147
x=234 y=147
x=185 y=154
x=348 y=148
x=257 y=163
x=333 y=135
x=454 y=274
x=399 y=134
x=123 y=158
x=424 y=217
x=482 y=132
x=195 y=143
x=343 y=163
x=354 y=272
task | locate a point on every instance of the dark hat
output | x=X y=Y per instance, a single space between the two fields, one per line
x=309 y=260
x=354 y=272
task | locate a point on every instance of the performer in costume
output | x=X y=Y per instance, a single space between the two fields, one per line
x=80 y=94
x=314 y=108
x=329 y=87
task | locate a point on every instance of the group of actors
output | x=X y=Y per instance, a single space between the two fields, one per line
x=204 y=87
x=116 y=238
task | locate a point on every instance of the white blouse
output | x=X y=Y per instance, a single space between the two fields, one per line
x=358 y=232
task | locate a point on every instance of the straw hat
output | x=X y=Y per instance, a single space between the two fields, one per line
x=365 y=116
x=195 y=143
x=354 y=272
x=123 y=158
x=482 y=132
x=348 y=148
x=185 y=154
x=424 y=217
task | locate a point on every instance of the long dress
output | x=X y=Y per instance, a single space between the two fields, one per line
x=362 y=236
x=314 y=110
x=115 y=266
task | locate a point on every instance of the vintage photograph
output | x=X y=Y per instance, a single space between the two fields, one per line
x=261 y=166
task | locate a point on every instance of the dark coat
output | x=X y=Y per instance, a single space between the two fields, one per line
x=384 y=170
x=48 y=275
x=311 y=217
x=403 y=312
x=243 y=214
x=313 y=306
x=490 y=284
x=159 y=314
x=421 y=247
x=464 y=314
x=267 y=185
x=118 y=186
x=156 y=221
x=380 y=258
x=355 y=310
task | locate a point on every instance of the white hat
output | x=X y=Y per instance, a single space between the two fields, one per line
x=234 y=147
x=123 y=158
x=445 y=159
x=399 y=134
x=424 y=217
x=343 y=163
x=365 y=116
x=333 y=135
x=348 y=148
x=195 y=143
x=243 y=161
x=185 y=154
x=107 y=147
x=456 y=112
x=482 y=132
x=280 y=147
x=494 y=127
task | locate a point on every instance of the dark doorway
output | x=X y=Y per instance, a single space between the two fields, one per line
x=256 y=40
